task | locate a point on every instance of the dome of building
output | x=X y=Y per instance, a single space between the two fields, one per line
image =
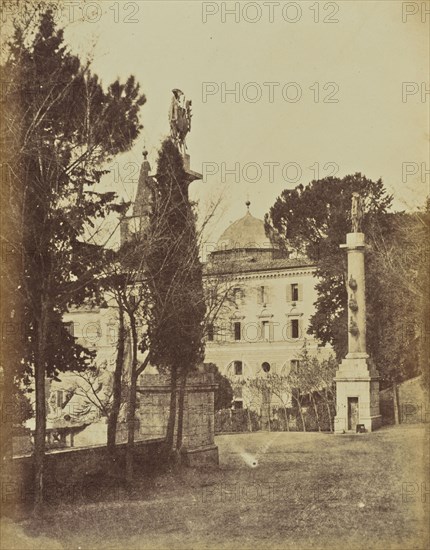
x=246 y=233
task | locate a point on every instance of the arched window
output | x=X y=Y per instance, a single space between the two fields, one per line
x=237 y=327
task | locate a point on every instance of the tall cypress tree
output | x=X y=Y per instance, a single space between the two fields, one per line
x=60 y=128
x=175 y=281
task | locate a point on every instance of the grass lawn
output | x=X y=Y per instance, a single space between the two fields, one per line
x=273 y=490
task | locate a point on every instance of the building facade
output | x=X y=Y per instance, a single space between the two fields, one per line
x=262 y=324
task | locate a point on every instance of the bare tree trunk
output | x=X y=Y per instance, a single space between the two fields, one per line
x=181 y=403
x=302 y=417
x=329 y=416
x=316 y=412
x=396 y=404
x=299 y=405
x=286 y=418
x=7 y=400
x=172 y=412
x=40 y=434
x=328 y=409
x=117 y=381
x=131 y=410
x=131 y=423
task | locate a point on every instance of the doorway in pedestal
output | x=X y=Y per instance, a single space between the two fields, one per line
x=353 y=416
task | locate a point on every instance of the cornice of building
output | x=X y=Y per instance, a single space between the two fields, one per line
x=263 y=274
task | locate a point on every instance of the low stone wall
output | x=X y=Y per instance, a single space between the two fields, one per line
x=75 y=472
x=77 y=468
x=199 y=420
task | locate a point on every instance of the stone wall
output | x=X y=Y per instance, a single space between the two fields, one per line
x=152 y=415
x=413 y=403
x=199 y=421
x=71 y=471
x=75 y=473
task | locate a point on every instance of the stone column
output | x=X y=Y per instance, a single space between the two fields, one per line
x=357 y=381
x=355 y=246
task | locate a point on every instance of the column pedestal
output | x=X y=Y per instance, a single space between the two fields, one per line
x=191 y=174
x=357 y=394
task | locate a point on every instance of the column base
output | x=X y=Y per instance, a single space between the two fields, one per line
x=370 y=424
x=357 y=395
x=191 y=174
x=202 y=456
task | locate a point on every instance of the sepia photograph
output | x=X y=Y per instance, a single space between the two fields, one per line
x=215 y=286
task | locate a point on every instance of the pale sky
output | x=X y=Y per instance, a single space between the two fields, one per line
x=368 y=54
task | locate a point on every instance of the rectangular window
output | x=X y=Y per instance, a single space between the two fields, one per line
x=294 y=292
x=238 y=368
x=262 y=295
x=210 y=332
x=237 y=331
x=265 y=330
x=295 y=328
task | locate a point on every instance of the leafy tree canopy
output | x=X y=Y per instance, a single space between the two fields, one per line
x=315 y=219
x=60 y=128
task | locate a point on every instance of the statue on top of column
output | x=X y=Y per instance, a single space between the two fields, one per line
x=180 y=119
x=356 y=213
